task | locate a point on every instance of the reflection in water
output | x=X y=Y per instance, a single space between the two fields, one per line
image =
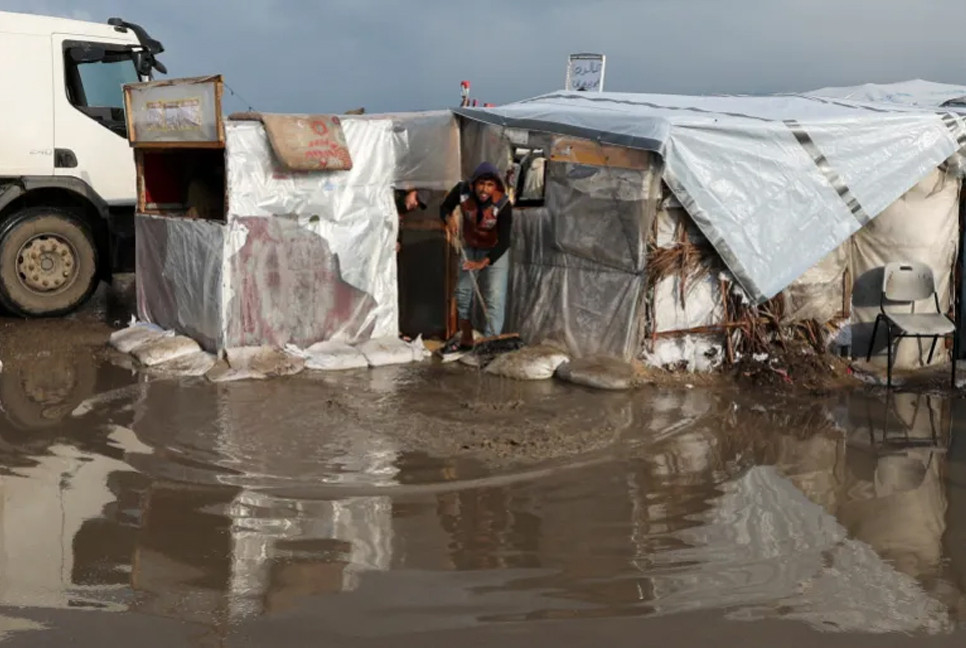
x=204 y=503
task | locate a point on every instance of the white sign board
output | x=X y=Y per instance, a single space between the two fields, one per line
x=585 y=72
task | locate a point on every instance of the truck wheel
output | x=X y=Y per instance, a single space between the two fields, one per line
x=40 y=393
x=48 y=262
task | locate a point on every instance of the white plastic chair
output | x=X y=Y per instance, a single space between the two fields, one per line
x=906 y=283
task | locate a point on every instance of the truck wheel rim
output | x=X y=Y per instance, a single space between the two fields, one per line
x=47 y=263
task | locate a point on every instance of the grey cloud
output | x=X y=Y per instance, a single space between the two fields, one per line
x=293 y=56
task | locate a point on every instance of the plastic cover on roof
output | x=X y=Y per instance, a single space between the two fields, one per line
x=917 y=93
x=775 y=183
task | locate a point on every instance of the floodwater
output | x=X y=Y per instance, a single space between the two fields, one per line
x=430 y=504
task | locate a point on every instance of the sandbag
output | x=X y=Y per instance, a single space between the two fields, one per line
x=136 y=335
x=391 y=350
x=331 y=356
x=264 y=360
x=530 y=363
x=599 y=373
x=222 y=374
x=304 y=142
x=195 y=364
x=165 y=349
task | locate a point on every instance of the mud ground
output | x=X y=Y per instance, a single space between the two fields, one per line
x=433 y=504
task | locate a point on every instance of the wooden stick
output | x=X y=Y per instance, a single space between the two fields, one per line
x=729 y=346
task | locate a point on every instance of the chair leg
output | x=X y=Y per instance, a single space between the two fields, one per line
x=875 y=329
x=888 y=357
x=932 y=349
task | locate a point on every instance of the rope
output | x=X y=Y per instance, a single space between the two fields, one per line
x=240 y=98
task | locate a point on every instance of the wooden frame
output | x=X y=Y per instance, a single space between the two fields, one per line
x=214 y=80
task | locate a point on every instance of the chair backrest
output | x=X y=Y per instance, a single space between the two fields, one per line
x=908 y=281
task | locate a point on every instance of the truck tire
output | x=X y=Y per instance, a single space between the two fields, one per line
x=48 y=262
x=41 y=393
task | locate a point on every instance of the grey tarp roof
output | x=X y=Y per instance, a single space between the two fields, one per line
x=774 y=182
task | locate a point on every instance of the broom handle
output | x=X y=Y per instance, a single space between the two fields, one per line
x=458 y=242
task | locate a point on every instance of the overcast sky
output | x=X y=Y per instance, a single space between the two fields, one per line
x=333 y=55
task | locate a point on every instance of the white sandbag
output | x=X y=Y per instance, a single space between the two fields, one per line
x=331 y=356
x=530 y=363
x=264 y=360
x=391 y=350
x=195 y=364
x=136 y=335
x=418 y=347
x=599 y=373
x=227 y=374
x=165 y=349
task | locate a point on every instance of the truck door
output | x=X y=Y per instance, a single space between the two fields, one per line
x=90 y=137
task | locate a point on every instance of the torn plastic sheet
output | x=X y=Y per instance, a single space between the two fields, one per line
x=352 y=213
x=289 y=286
x=775 y=183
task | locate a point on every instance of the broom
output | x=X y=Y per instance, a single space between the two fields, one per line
x=513 y=340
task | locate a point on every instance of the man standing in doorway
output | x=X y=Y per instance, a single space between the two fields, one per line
x=481 y=226
x=407 y=200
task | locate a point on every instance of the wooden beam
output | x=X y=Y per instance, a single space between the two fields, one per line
x=584 y=151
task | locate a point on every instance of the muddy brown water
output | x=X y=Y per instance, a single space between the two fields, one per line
x=428 y=504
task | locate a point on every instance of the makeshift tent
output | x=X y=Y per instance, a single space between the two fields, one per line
x=776 y=187
x=775 y=183
x=274 y=229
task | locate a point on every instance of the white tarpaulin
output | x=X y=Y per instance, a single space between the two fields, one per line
x=924 y=94
x=775 y=183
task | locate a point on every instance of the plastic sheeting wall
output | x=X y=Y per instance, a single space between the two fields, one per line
x=427 y=147
x=819 y=293
x=481 y=142
x=311 y=256
x=921 y=226
x=577 y=272
x=179 y=276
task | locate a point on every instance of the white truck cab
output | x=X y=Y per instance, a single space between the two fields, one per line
x=67 y=174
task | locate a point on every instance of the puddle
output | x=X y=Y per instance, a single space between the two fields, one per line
x=433 y=499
